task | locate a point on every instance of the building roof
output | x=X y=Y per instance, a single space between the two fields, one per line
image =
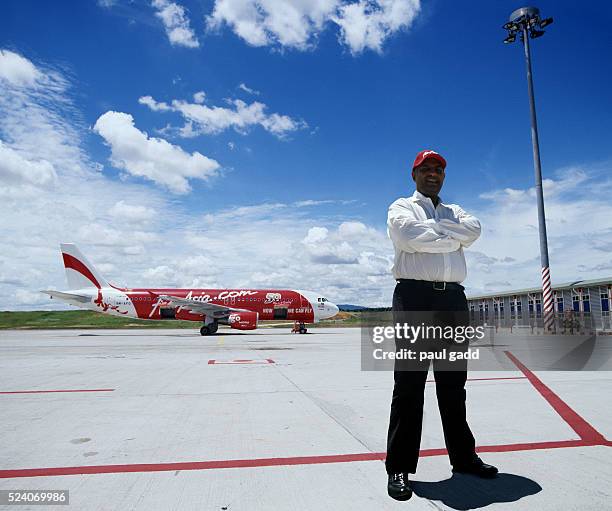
x=568 y=285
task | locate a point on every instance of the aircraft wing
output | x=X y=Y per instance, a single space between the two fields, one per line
x=199 y=307
x=68 y=297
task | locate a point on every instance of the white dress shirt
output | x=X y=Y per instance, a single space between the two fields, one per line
x=429 y=240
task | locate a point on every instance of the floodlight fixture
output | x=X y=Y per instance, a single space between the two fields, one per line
x=545 y=22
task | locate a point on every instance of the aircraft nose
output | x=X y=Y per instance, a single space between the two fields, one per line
x=333 y=309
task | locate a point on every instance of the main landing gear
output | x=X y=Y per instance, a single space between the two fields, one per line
x=209 y=329
x=299 y=328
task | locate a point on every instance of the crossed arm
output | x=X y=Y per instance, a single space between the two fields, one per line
x=413 y=235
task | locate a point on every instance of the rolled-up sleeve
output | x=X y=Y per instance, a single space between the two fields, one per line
x=412 y=235
x=466 y=230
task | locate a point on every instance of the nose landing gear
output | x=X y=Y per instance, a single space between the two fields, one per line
x=299 y=328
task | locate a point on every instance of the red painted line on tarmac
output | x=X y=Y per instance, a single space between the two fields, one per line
x=265 y=462
x=246 y=361
x=195 y=465
x=533 y=446
x=584 y=430
x=498 y=378
x=51 y=391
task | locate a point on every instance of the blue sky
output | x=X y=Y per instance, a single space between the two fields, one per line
x=295 y=192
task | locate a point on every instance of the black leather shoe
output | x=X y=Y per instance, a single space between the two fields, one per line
x=399 y=486
x=478 y=468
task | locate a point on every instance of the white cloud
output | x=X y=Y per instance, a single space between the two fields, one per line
x=243 y=87
x=352 y=230
x=20 y=174
x=156 y=106
x=366 y=24
x=315 y=235
x=264 y=22
x=131 y=212
x=363 y=24
x=17 y=70
x=38 y=125
x=311 y=202
x=25 y=297
x=152 y=158
x=203 y=119
x=34 y=138
x=351 y=243
x=176 y=23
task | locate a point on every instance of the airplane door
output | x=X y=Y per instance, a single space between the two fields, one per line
x=280 y=312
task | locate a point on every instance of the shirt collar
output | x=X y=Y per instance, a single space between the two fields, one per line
x=418 y=196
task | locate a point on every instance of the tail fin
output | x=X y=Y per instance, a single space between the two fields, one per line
x=80 y=273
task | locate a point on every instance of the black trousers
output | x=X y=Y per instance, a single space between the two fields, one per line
x=406 y=418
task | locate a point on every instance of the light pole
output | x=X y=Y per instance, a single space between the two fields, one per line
x=527 y=22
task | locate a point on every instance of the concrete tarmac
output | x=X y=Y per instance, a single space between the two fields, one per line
x=269 y=420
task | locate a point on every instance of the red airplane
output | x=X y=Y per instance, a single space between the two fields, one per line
x=239 y=308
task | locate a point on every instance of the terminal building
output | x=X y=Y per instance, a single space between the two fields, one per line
x=587 y=302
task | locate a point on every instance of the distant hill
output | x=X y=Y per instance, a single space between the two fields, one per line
x=347 y=307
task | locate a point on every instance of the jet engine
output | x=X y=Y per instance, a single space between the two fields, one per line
x=243 y=320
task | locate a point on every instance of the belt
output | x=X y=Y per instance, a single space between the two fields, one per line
x=438 y=286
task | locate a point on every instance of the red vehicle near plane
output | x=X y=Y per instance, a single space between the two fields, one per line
x=241 y=309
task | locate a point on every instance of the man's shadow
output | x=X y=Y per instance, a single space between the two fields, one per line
x=464 y=491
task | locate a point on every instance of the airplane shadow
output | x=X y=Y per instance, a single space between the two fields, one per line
x=464 y=491
x=223 y=333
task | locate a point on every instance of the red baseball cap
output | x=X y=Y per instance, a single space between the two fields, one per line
x=428 y=153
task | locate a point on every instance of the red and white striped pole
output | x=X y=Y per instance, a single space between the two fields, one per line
x=547 y=301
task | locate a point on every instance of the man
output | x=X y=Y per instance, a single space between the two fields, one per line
x=429 y=237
